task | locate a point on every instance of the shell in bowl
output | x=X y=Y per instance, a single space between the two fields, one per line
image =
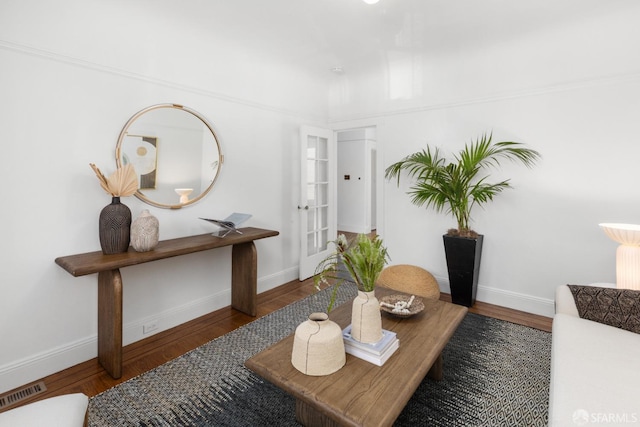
x=401 y=305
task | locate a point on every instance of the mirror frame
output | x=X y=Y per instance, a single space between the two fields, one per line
x=199 y=116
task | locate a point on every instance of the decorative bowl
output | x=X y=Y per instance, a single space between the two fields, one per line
x=391 y=300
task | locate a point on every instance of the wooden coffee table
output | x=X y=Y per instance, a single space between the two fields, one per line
x=361 y=393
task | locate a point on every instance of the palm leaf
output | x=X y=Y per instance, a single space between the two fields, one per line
x=455 y=187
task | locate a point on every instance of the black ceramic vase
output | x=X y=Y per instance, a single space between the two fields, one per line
x=463 y=264
x=115 y=227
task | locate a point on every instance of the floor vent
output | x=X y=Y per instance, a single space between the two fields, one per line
x=16 y=396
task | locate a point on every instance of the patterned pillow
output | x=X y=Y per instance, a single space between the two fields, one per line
x=613 y=307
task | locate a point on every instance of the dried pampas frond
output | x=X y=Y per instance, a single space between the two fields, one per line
x=123 y=182
x=103 y=181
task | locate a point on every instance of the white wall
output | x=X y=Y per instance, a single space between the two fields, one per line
x=570 y=92
x=72 y=74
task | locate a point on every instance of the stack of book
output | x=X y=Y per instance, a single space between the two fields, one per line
x=376 y=353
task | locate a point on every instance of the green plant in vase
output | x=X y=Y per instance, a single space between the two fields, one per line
x=363 y=259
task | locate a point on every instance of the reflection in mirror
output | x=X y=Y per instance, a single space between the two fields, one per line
x=175 y=153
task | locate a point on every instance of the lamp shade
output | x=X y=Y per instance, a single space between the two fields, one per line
x=625 y=234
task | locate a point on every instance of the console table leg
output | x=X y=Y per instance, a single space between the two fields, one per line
x=110 y=321
x=244 y=278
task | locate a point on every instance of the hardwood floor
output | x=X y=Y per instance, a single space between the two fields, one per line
x=90 y=378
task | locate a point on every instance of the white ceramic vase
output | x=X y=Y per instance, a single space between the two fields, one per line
x=318 y=348
x=366 y=321
x=144 y=232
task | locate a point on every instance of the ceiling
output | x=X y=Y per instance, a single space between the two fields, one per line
x=322 y=34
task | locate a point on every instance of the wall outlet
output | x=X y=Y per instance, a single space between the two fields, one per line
x=150 y=327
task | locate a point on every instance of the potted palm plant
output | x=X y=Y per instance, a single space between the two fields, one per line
x=456 y=187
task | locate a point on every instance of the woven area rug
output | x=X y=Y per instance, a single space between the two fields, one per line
x=496 y=374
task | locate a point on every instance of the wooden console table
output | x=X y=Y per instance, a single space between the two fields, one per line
x=244 y=277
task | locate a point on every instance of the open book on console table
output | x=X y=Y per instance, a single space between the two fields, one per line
x=229 y=224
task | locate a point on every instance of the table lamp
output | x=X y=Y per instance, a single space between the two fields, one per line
x=627 y=254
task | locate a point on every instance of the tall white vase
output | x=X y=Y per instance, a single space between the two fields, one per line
x=366 y=321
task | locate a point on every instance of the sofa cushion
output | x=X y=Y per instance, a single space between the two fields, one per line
x=594 y=374
x=613 y=307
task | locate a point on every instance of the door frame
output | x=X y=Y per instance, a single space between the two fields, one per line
x=379 y=172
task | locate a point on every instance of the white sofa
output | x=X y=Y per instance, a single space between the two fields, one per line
x=68 y=410
x=595 y=370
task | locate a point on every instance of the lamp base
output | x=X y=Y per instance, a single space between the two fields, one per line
x=628 y=267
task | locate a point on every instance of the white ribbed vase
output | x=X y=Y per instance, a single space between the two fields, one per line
x=366 y=321
x=145 y=232
x=318 y=348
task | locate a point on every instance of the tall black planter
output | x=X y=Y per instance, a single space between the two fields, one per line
x=463 y=264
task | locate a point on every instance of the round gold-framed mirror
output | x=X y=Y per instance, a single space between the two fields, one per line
x=175 y=152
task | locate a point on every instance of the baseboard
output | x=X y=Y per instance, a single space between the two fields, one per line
x=516 y=301
x=271 y=281
x=132 y=332
x=33 y=368
x=509 y=299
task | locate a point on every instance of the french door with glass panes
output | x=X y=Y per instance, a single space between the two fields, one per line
x=317 y=207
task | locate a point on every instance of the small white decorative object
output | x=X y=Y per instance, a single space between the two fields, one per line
x=401 y=305
x=145 y=232
x=184 y=194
